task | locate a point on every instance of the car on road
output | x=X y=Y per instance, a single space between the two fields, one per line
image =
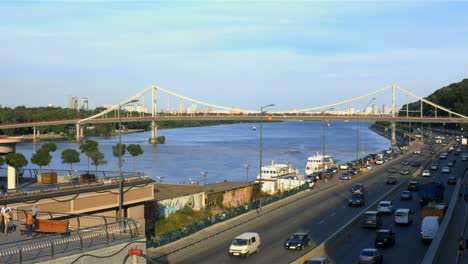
x=245 y=244
x=404 y=171
x=392 y=170
x=451 y=180
x=416 y=163
x=406 y=195
x=357 y=199
x=297 y=241
x=318 y=261
x=385 y=238
x=379 y=162
x=345 y=176
x=451 y=163
x=429 y=227
x=344 y=166
x=391 y=180
x=426 y=173
x=357 y=188
x=371 y=219
x=464 y=157
x=403 y=216
x=445 y=169
x=405 y=162
x=371 y=255
x=385 y=207
x=413 y=186
x=434 y=167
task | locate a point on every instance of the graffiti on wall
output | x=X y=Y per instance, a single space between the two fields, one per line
x=168 y=207
x=234 y=198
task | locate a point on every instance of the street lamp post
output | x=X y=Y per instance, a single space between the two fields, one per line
x=121 y=180
x=323 y=137
x=364 y=111
x=247 y=166
x=204 y=173
x=261 y=148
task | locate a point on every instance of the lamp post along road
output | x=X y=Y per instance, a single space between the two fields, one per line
x=261 y=148
x=121 y=180
x=362 y=150
x=323 y=137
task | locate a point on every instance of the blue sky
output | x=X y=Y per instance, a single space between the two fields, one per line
x=295 y=54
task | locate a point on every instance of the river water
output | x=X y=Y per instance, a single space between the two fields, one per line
x=223 y=150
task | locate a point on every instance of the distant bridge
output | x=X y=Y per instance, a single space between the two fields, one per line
x=200 y=110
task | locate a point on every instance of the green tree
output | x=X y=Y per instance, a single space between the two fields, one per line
x=115 y=150
x=88 y=147
x=49 y=146
x=2 y=161
x=70 y=156
x=16 y=160
x=41 y=158
x=134 y=150
x=98 y=159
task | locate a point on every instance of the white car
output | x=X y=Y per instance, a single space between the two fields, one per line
x=344 y=166
x=426 y=173
x=385 y=207
x=379 y=162
x=445 y=169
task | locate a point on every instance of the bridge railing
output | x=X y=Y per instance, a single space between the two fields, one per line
x=76 y=240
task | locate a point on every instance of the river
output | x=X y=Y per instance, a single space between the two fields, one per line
x=223 y=150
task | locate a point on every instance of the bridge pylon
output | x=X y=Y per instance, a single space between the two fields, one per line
x=154 y=133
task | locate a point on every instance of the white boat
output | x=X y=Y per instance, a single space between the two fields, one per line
x=254 y=128
x=315 y=163
x=277 y=171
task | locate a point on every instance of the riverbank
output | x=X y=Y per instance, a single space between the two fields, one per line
x=30 y=137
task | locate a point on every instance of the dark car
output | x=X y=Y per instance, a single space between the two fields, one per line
x=406 y=195
x=413 y=186
x=354 y=171
x=357 y=188
x=392 y=170
x=405 y=162
x=357 y=199
x=404 y=171
x=391 y=180
x=371 y=255
x=297 y=241
x=385 y=238
x=452 y=180
x=416 y=163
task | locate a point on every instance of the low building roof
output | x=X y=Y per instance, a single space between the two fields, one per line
x=225 y=186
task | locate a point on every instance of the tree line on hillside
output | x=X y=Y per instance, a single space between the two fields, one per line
x=22 y=114
x=90 y=148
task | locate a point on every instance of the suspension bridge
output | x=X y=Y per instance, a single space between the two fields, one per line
x=201 y=110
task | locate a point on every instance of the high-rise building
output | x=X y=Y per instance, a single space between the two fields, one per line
x=375 y=110
x=386 y=109
x=84 y=103
x=73 y=103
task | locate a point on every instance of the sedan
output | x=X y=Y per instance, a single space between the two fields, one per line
x=371 y=255
x=450 y=163
x=385 y=207
x=426 y=173
x=406 y=195
x=405 y=162
x=317 y=261
x=404 y=171
x=434 y=167
x=345 y=176
x=452 y=180
x=392 y=170
x=391 y=180
x=297 y=241
x=445 y=169
x=357 y=199
x=385 y=238
x=413 y=186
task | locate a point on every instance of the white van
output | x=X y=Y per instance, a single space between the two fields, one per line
x=403 y=216
x=429 y=227
x=245 y=244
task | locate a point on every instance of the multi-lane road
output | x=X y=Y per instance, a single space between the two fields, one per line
x=319 y=212
x=408 y=247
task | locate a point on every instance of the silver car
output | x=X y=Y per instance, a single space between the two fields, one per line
x=371 y=255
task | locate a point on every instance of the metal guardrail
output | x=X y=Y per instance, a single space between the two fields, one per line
x=78 y=239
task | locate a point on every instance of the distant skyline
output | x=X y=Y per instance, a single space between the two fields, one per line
x=295 y=54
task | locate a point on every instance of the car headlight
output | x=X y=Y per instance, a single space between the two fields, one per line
x=299 y=244
x=287 y=244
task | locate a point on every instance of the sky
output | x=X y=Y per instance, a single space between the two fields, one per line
x=294 y=54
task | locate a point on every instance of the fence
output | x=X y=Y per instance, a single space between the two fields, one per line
x=78 y=239
x=218 y=218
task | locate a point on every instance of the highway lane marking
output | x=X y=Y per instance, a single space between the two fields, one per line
x=321 y=222
x=334 y=213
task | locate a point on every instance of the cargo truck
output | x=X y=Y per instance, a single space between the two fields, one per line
x=431 y=192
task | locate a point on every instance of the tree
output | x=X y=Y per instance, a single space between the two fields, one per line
x=2 y=161
x=49 y=146
x=88 y=147
x=70 y=156
x=134 y=150
x=16 y=160
x=41 y=158
x=115 y=150
x=98 y=158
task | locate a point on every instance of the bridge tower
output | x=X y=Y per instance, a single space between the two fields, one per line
x=79 y=132
x=154 y=124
